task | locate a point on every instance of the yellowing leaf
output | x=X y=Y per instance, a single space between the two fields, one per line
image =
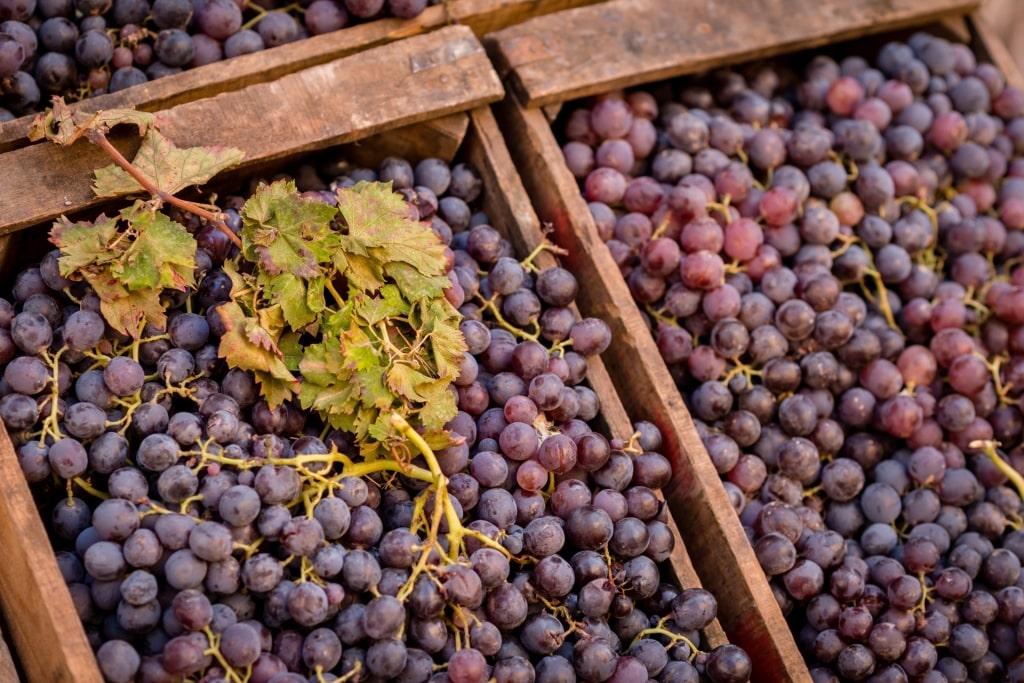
x=247 y=345
x=168 y=167
x=276 y=390
x=161 y=255
x=405 y=381
x=64 y=126
x=436 y=412
x=285 y=233
x=126 y=310
x=84 y=244
x=378 y=225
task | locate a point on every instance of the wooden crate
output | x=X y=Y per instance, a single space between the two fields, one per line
x=431 y=75
x=547 y=63
x=50 y=640
x=481 y=16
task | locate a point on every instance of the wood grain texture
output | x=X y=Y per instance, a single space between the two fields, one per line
x=720 y=550
x=988 y=45
x=620 y=43
x=441 y=138
x=424 y=77
x=480 y=16
x=45 y=629
x=8 y=669
x=508 y=205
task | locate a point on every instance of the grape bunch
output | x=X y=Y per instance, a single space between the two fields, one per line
x=79 y=48
x=204 y=535
x=828 y=257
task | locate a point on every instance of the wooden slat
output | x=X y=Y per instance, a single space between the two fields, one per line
x=508 y=206
x=720 y=550
x=8 y=670
x=620 y=43
x=481 y=16
x=47 y=633
x=439 y=138
x=386 y=87
x=987 y=45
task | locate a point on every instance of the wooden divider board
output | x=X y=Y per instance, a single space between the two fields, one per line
x=48 y=635
x=620 y=43
x=988 y=46
x=480 y=16
x=416 y=79
x=723 y=557
x=508 y=205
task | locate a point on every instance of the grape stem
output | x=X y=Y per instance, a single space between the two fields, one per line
x=230 y=674
x=86 y=486
x=456 y=531
x=674 y=638
x=489 y=305
x=988 y=447
x=545 y=245
x=100 y=139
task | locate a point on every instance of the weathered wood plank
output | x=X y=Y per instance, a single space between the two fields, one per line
x=988 y=46
x=439 y=138
x=44 y=625
x=722 y=554
x=507 y=204
x=481 y=16
x=620 y=43
x=426 y=77
x=8 y=669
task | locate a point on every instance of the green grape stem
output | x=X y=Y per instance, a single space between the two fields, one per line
x=674 y=638
x=456 y=531
x=230 y=673
x=988 y=447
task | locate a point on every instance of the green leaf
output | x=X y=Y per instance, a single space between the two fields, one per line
x=285 y=233
x=389 y=304
x=291 y=294
x=169 y=168
x=162 y=255
x=378 y=226
x=415 y=284
x=125 y=310
x=84 y=244
x=292 y=350
x=249 y=345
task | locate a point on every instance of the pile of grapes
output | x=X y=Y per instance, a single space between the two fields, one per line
x=80 y=48
x=830 y=264
x=206 y=536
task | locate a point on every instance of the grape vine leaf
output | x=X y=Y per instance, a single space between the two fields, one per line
x=169 y=168
x=379 y=243
x=287 y=234
x=162 y=255
x=125 y=310
x=128 y=267
x=84 y=243
x=63 y=125
x=248 y=344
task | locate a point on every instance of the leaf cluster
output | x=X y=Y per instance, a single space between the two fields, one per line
x=340 y=307
x=352 y=297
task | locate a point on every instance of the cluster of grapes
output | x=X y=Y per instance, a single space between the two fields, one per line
x=202 y=533
x=80 y=48
x=829 y=263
